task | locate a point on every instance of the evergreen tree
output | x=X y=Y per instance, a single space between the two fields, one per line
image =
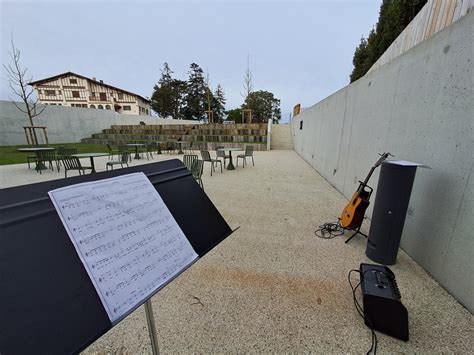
x=234 y=115
x=165 y=75
x=195 y=98
x=264 y=106
x=218 y=104
x=359 y=60
x=394 y=16
x=168 y=95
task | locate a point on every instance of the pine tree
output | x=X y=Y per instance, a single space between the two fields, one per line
x=218 y=104
x=168 y=95
x=195 y=94
x=166 y=77
x=394 y=16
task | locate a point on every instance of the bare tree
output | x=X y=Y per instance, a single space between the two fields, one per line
x=210 y=114
x=248 y=87
x=248 y=83
x=18 y=83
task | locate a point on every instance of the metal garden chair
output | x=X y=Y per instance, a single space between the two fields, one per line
x=188 y=160
x=196 y=171
x=73 y=163
x=206 y=157
x=248 y=153
x=221 y=154
x=124 y=160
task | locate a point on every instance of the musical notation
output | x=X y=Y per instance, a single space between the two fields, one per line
x=127 y=239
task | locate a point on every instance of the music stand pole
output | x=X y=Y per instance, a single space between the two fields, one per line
x=151 y=327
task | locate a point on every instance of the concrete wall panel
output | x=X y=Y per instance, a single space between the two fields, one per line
x=420 y=108
x=66 y=124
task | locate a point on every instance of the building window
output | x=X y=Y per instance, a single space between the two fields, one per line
x=75 y=94
x=53 y=104
x=84 y=105
x=39 y=92
x=92 y=106
x=60 y=104
x=107 y=107
x=120 y=96
x=72 y=81
x=93 y=94
x=50 y=92
x=127 y=108
x=301 y=124
x=100 y=107
x=146 y=111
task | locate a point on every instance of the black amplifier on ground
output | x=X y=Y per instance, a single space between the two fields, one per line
x=383 y=309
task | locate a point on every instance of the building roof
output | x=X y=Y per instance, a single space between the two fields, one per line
x=85 y=77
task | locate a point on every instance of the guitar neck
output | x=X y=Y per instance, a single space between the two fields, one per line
x=369 y=175
x=361 y=186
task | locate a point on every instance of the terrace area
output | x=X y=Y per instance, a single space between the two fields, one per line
x=273 y=286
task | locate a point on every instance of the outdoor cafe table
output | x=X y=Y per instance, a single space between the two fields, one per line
x=181 y=143
x=136 y=145
x=230 y=166
x=91 y=156
x=39 y=163
x=159 y=145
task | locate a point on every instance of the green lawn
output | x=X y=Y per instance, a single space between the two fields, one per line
x=9 y=154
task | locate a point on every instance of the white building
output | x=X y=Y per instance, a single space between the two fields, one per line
x=74 y=90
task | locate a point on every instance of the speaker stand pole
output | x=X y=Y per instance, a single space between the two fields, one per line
x=151 y=327
x=357 y=231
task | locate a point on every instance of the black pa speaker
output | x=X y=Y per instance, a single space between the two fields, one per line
x=383 y=310
x=390 y=208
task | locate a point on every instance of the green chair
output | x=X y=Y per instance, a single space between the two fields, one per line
x=64 y=151
x=206 y=157
x=248 y=153
x=112 y=151
x=221 y=154
x=149 y=150
x=46 y=157
x=188 y=160
x=171 y=146
x=196 y=171
x=124 y=160
x=73 y=163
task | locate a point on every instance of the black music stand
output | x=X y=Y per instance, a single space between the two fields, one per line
x=48 y=303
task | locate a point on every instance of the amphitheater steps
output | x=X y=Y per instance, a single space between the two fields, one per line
x=281 y=137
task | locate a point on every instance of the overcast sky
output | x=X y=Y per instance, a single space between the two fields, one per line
x=299 y=50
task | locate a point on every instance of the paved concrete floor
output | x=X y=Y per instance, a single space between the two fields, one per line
x=273 y=286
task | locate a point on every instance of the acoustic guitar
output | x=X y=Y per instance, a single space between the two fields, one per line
x=353 y=214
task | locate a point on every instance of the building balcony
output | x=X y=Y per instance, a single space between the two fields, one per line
x=100 y=99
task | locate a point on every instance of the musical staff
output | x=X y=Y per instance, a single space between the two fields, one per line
x=126 y=237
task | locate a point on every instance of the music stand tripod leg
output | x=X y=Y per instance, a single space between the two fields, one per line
x=151 y=327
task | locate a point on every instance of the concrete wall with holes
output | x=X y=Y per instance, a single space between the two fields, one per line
x=66 y=124
x=419 y=107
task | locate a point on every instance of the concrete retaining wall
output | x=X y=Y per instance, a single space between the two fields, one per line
x=67 y=124
x=420 y=108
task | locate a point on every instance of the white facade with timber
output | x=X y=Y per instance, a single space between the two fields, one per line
x=74 y=90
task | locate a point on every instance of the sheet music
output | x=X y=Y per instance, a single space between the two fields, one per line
x=126 y=237
x=406 y=163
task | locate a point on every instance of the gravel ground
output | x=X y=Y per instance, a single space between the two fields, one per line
x=273 y=286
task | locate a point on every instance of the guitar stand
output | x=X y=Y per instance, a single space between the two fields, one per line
x=357 y=231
